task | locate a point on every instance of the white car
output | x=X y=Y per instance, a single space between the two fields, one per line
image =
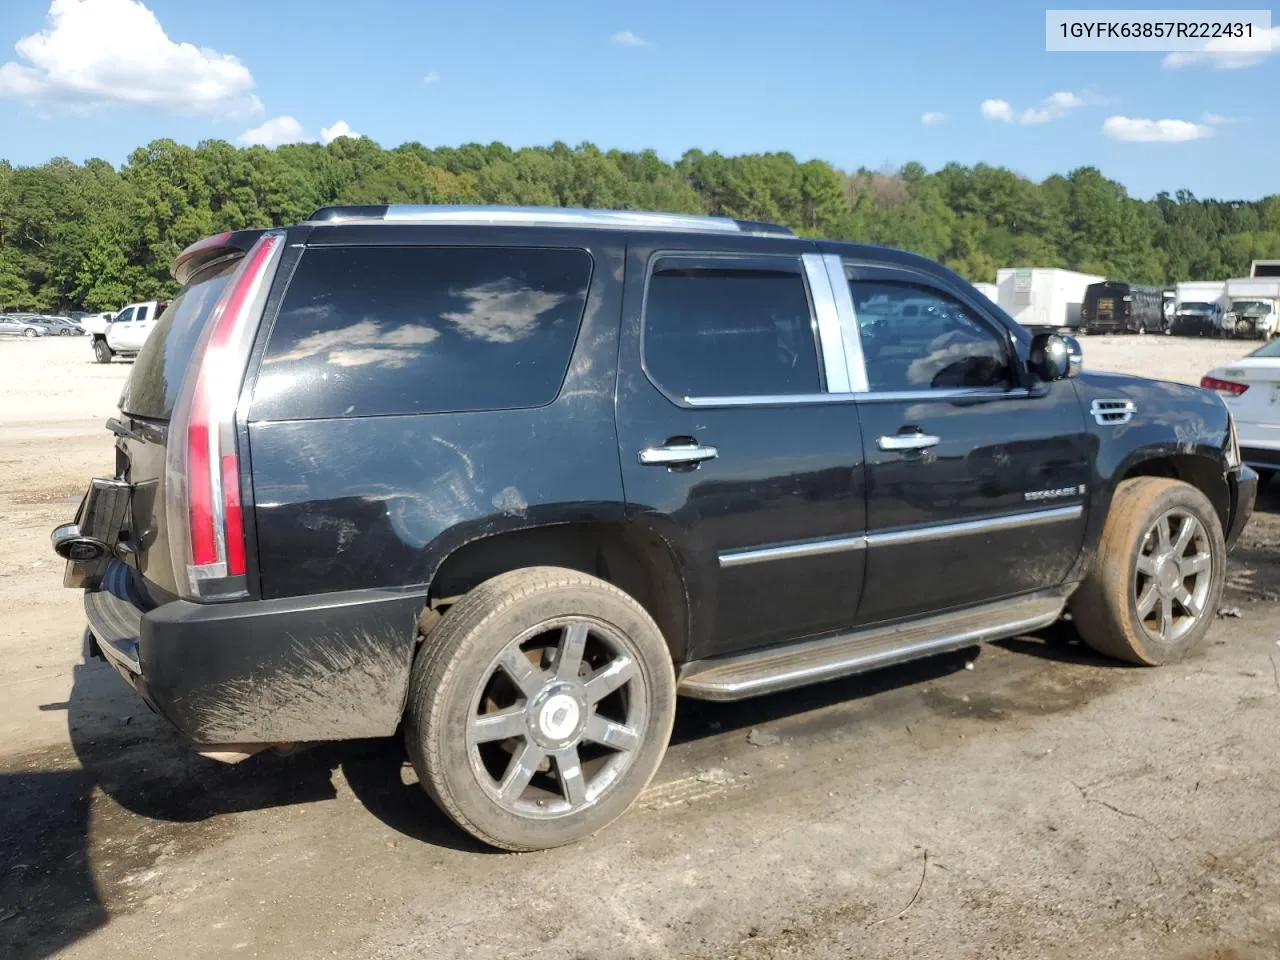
x=1251 y=389
x=127 y=331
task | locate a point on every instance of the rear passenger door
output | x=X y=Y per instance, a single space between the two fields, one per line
x=739 y=438
x=976 y=477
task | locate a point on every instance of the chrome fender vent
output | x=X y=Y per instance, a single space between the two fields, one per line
x=1113 y=413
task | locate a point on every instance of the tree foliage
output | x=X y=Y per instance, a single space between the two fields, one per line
x=96 y=237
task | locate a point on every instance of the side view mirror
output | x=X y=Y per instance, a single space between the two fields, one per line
x=1055 y=357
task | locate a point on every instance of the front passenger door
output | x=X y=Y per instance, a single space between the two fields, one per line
x=976 y=478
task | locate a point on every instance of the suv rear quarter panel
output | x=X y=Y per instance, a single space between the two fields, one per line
x=380 y=501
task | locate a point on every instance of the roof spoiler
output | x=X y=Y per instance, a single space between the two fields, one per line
x=203 y=252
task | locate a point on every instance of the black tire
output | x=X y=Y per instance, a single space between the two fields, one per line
x=461 y=674
x=1107 y=608
x=1265 y=477
x=101 y=352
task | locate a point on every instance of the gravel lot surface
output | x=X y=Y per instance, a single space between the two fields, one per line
x=1044 y=803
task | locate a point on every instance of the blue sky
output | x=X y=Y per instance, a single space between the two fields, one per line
x=845 y=82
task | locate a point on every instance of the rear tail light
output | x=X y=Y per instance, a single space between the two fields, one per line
x=202 y=472
x=1224 y=386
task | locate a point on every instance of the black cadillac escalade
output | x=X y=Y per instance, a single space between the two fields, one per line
x=512 y=480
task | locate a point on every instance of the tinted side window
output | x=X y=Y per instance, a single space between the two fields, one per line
x=125 y=315
x=721 y=331
x=141 y=314
x=916 y=338
x=367 y=331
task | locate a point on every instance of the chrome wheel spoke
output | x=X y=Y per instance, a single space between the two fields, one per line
x=611 y=734
x=573 y=640
x=1146 y=565
x=499 y=725
x=1185 y=533
x=1197 y=563
x=609 y=678
x=1166 y=615
x=569 y=770
x=520 y=771
x=527 y=678
x=1162 y=534
x=1188 y=601
x=1147 y=602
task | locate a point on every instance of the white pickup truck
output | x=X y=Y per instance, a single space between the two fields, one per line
x=124 y=333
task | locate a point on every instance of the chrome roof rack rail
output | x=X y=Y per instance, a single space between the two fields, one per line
x=544 y=217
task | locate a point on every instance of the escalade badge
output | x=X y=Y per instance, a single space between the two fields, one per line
x=1055 y=493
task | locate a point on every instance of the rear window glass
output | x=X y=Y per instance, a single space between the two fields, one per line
x=153 y=385
x=370 y=331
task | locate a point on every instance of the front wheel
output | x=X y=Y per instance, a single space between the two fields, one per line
x=101 y=352
x=540 y=707
x=1158 y=577
x=30 y=334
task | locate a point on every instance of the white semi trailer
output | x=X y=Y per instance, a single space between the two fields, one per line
x=1043 y=298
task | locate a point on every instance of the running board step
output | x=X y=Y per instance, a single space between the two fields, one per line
x=797 y=664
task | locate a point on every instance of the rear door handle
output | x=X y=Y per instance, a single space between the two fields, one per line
x=677 y=453
x=908 y=441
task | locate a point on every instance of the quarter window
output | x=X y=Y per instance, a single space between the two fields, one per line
x=730 y=329
x=368 y=331
x=916 y=338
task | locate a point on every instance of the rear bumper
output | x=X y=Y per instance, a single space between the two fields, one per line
x=1243 y=484
x=332 y=667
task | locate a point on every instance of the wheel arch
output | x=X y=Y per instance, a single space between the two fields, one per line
x=632 y=558
x=1200 y=471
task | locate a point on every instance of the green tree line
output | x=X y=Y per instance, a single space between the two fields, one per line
x=96 y=237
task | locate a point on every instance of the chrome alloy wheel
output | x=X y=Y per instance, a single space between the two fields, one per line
x=1174 y=575
x=559 y=716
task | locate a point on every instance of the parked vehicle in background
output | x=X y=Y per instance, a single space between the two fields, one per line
x=1113 y=306
x=1251 y=389
x=63 y=326
x=1201 y=308
x=521 y=477
x=988 y=290
x=1253 y=307
x=23 y=325
x=1043 y=299
x=1197 y=319
x=127 y=331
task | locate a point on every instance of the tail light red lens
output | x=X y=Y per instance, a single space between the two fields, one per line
x=202 y=482
x=1224 y=386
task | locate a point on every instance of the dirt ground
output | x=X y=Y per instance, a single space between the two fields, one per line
x=1044 y=803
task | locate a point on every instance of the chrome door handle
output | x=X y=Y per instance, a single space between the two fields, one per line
x=908 y=441
x=676 y=454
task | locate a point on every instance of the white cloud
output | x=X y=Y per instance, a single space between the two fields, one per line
x=997 y=110
x=432 y=77
x=94 y=53
x=274 y=132
x=1227 y=53
x=625 y=38
x=1137 y=130
x=1052 y=107
x=339 y=129
x=932 y=118
x=1216 y=119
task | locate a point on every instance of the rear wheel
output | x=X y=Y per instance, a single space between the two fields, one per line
x=1158 y=577
x=540 y=708
x=101 y=352
x=30 y=334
